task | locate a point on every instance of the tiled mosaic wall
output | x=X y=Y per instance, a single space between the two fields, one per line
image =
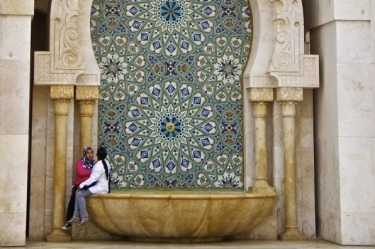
x=170 y=108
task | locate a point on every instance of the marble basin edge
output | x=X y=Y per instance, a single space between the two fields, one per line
x=179 y=214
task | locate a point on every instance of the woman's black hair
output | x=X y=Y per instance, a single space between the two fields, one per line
x=102 y=154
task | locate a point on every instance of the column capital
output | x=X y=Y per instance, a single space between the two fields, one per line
x=288 y=108
x=260 y=109
x=86 y=108
x=289 y=94
x=260 y=94
x=62 y=91
x=87 y=92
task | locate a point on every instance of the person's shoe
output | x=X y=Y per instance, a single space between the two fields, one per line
x=67 y=226
x=73 y=219
x=83 y=221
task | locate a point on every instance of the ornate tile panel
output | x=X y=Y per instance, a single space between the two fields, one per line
x=170 y=105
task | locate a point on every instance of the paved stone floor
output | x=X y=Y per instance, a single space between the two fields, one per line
x=219 y=245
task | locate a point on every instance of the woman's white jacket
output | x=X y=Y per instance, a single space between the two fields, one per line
x=98 y=176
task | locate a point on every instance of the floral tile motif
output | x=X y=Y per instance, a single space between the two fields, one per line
x=170 y=106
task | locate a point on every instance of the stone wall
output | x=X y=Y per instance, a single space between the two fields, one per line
x=15 y=33
x=344 y=106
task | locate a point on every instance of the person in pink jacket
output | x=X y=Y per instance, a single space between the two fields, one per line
x=97 y=183
x=83 y=171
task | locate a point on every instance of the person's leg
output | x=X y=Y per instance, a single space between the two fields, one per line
x=70 y=211
x=81 y=201
x=76 y=209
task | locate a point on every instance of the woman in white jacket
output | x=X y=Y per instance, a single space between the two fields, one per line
x=100 y=174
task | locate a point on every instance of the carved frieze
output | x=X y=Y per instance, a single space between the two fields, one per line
x=62 y=92
x=262 y=81
x=260 y=94
x=87 y=92
x=289 y=94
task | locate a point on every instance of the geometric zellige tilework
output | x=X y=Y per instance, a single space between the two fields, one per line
x=170 y=105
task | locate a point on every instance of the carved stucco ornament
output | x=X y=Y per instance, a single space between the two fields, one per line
x=62 y=92
x=260 y=94
x=289 y=94
x=65 y=62
x=289 y=66
x=87 y=92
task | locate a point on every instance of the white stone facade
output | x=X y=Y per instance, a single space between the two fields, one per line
x=342 y=34
x=335 y=122
x=15 y=29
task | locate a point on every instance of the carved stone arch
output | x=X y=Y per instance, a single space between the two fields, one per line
x=277 y=57
x=70 y=59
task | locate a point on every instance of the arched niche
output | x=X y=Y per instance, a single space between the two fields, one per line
x=277 y=60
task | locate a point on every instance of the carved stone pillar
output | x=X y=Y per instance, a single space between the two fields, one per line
x=288 y=98
x=260 y=98
x=86 y=95
x=61 y=96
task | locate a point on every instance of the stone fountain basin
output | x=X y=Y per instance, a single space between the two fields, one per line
x=179 y=214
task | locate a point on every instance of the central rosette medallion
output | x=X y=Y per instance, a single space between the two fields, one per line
x=171 y=127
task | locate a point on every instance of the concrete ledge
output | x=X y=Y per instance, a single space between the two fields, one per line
x=17 y=7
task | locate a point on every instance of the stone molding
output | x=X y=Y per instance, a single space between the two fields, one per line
x=87 y=93
x=307 y=77
x=12 y=7
x=260 y=94
x=91 y=75
x=88 y=79
x=62 y=92
x=261 y=80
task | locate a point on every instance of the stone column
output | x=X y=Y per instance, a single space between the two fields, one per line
x=288 y=98
x=61 y=95
x=260 y=98
x=87 y=96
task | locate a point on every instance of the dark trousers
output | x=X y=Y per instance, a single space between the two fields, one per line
x=70 y=211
